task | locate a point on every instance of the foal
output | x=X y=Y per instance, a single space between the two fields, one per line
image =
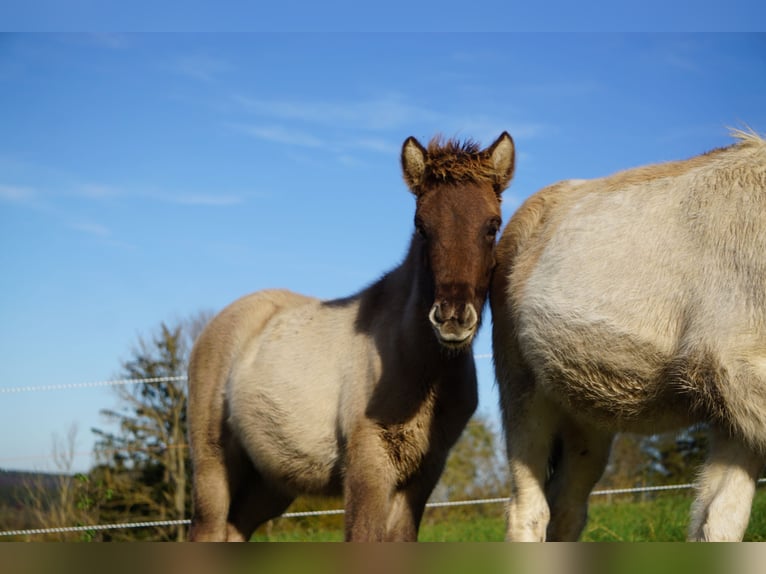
x=362 y=396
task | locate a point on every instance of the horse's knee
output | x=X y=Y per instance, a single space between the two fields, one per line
x=203 y=530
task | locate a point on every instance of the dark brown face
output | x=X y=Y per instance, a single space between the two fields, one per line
x=458 y=191
x=456 y=225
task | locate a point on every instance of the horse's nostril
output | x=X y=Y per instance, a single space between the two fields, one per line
x=463 y=315
x=468 y=317
x=435 y=316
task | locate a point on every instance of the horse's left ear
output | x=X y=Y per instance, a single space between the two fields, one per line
x=413 y=163
x=503 y=156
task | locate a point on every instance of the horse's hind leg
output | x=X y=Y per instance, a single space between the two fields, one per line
x=211 y=484
x=579 y=464
x=231 y=498
x=255 y=501
x=725 y=490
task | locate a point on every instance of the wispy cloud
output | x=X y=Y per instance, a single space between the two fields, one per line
x=108 y=40
x=101 y=192
x=59 y=207
x=389 y=112
x=91 y=228
x=201 y=67
x=681 y=62
x=362 y=125
x=486 y=129
x=17 y=194
x=280 y=134
x=680 y=54
x=375 y=144
x=31 y=198
x=570 y=88
x=98 y=191
x=200 y=199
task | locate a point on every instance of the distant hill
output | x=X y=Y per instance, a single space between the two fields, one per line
x=16 y=511
x=12 y=484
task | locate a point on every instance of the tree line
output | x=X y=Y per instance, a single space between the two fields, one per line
x=142 y=469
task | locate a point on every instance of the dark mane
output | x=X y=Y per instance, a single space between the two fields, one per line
x=457 y=162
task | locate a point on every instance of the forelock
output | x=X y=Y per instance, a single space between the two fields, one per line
x=455 y=161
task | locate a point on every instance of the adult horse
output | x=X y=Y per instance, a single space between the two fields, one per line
x=364 y=395
x=635 y=302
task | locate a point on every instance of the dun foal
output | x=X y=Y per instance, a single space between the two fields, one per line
x=635 y=302
x=364 y=395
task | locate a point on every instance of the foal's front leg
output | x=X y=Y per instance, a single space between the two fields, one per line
x=369 y=486
x=409 y=502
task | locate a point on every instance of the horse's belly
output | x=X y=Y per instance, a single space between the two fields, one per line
x=600 y=374
x=285 y=398
x=622 y=403
x=289 y=443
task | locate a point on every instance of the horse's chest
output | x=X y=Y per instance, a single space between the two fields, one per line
x=413 y=427
x=405 y=445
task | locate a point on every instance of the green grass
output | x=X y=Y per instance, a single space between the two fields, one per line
x=663 y=518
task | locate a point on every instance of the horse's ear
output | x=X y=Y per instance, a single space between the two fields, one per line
x=413 y=163
x=503 y=156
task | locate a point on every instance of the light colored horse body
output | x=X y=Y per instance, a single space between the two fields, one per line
x=362 y=396
x=635 y=302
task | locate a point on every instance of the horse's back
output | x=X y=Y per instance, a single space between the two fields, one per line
x=628 y=294
x=233 y=329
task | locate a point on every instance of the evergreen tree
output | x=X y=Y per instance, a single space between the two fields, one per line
x=145 y=461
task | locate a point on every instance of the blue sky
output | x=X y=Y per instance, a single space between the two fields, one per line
x=145 y=177
x=392 y=15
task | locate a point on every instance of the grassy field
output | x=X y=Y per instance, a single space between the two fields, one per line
x=663 y=518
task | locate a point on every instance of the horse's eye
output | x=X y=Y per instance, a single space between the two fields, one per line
x=492 y=228
x=420 y=229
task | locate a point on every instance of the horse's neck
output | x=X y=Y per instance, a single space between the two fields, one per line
x=401 y=299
